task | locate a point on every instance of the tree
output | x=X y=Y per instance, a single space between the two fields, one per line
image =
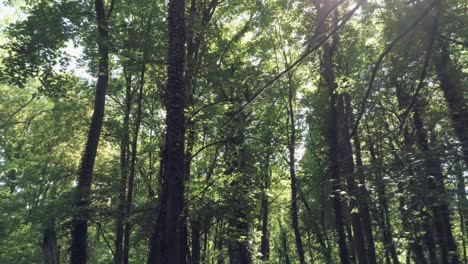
x=272 y=132
x=83 y=193
x=167 y=244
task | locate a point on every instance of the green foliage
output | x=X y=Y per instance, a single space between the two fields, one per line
x=237 y=125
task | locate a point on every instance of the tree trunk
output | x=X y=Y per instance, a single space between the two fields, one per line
x=449 y=78
x=218 y=241
x=346 y=165
x=321 y=240
x=169 y=245
x=49 y=246
x=284 y=245
x=205 y=245
x=131 y=175
x=437 y=200
x=333 y=148
x=196 y=246
x=352 y=245
x=292 y=173
x=332 y=138
x=83 y=190
x=125 y=138
x=265 y=240
x=361 y=191
x=461 y=206
x=409 y=207
x=384 y=220
x=195 y=221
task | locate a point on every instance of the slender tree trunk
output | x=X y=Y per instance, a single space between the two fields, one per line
x=347 y=169
x=409 y=207
x=461 y=206
x=265 y=240
x=50 y=251
x=195 y=222
x=205 y=245
x=125 y=138
x=361 y=191
x=384 y=220
x=83 y=191
x=352 y=245
x=133 y=159
x=219 y=241
x=292 y=173
x=169 y=246
x=321 y=240
x=284 y=245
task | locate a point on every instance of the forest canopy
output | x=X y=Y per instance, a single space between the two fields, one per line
x=233 y=131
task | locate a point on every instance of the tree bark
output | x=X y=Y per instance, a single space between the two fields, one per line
x=196 y=244
x=169 y=246
x=83 y=190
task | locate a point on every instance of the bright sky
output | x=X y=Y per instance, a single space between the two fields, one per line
x=9 y=14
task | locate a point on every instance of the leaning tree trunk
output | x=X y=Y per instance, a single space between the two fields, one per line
x=168 y=245
x=80 y=222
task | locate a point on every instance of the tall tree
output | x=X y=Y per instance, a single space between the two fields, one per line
x=83 y=190
x=333 y=129
x=168 y=243
x=292 y=168
x=124 y=146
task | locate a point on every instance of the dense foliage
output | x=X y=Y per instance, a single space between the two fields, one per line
x=233 y=131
